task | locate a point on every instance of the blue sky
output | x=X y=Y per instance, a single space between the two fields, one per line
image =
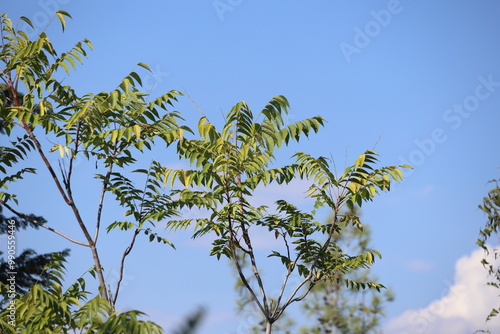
x=419 y=80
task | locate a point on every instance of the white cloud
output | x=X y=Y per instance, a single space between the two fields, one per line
x=461 y=308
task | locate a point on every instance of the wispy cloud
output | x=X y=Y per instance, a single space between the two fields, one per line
x=425 y=191
x=420 y=265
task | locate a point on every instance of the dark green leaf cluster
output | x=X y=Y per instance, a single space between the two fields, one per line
x=491 y=207
x=29 y=271
x=146 y=205
x=359 y=183
x=55 y=310
x=337 y=308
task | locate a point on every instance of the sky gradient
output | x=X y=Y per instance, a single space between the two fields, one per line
x=417 y=81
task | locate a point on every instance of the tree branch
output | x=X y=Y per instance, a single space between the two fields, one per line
x=101 y=201
x=47 y=163
x=68 y=198
x=232 y=243
x=290 y=269
x=122 y=265
x=255 y=269
x=292 y=298
x=72 y=158
x=21 y=215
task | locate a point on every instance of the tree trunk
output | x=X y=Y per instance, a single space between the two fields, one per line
x=268 y=326
x=100 y=275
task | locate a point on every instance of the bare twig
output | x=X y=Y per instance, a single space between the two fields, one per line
x=255 y=269
x=263 y=308
x=21 y=215
x=72 y=158
x=101 y=202
x=68 y=198
x=189 y=97
x=290 y=270
x=47 y=164
x=122 y=265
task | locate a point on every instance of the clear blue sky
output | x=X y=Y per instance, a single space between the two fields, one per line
x=418 y=79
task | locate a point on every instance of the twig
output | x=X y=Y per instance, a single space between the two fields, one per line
x=189 y=97
x=101 y=202
x=122 y=265
x=42 y=225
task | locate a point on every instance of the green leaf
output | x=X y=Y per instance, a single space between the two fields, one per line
x=60 y=15
x=145 y=66
x=137 y=131
x=28 y=21
x=359 y=161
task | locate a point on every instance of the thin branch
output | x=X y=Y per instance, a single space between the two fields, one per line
x=122 y=265
x=250 y=253
x=101 y=202
x=69 y=200
x=47 y=164
x=255 y=269
x=21 y=215
x=245 y=282
x=72 y=158
x=287 y=276
x=375 y=145
x=132 y=242
x=262 y=308
x=291 y=299
x=189 y=97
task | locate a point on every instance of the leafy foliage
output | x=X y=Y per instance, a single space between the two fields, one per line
x=191 y=323
x=230 y=164
x=491 y=206
x=54 y=310
x=29 y=265
x=29 y=268
x=110 y=129
x=334 y=307
x=143 y=205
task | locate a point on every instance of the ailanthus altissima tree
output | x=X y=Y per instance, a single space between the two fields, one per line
x=109 y=130
x=231 y=163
